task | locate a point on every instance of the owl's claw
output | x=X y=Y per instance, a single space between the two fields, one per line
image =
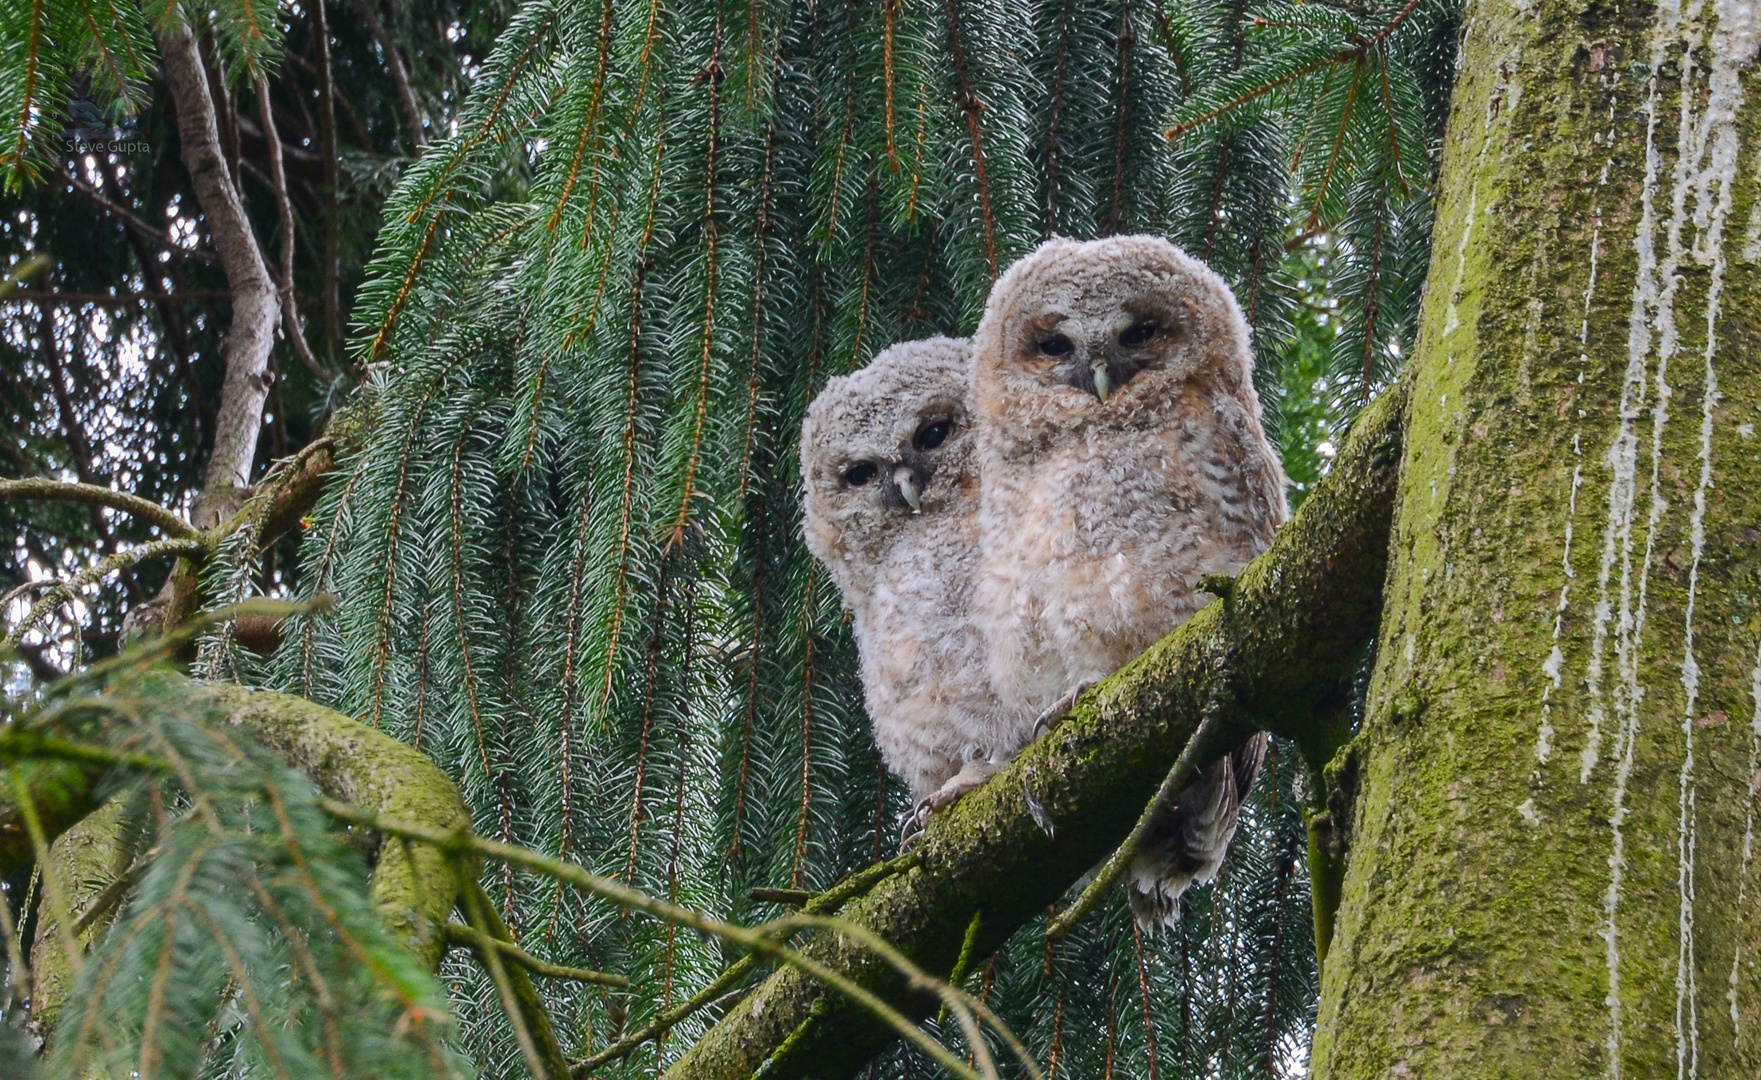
x=1049 y=719
x=973 y=775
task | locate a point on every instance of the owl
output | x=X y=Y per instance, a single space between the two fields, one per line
x=1122 y=458
x=891 y=509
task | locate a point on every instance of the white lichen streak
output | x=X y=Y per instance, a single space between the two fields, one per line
x=1706 y=163
x=1555 y=658
x=1712 y=163
x=1754 y=782
x=1617 y=537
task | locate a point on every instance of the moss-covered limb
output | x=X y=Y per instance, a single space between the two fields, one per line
x=414 y=886
x=85 y=860
x=1292 y=628
x=1326 y=811
x=63 y=793
x=1550 y=870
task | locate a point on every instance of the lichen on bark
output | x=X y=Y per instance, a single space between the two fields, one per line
x=1550 y=870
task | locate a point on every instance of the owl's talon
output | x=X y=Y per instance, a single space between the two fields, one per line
x=1049 y=719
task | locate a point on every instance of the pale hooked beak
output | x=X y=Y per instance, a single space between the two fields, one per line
x=1103 y=381
x=907 y=485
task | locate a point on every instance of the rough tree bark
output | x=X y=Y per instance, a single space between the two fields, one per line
x=1551 y=869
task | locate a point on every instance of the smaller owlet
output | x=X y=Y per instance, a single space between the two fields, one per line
x=891 y=509
x=1122 y=458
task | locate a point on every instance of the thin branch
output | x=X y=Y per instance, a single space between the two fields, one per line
x=1184 y=771
x=394 y=66
x=540 y=1066
x=63 y=591
x=57 y=297
x=290 y=312
x=760 y=939
x=826 y=902
x=138 y=224
x=58 y=491
x=460 y=934
x=332 y=272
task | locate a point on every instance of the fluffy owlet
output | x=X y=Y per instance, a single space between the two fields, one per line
x=892 y=511
x=1122 y=456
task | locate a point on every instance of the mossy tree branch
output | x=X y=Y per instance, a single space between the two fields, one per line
x=1268 y=658
x=414 y=887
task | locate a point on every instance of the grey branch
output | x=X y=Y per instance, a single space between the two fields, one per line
x=255 y=307
x=57 y=491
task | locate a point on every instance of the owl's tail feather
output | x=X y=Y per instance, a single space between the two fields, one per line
x=1186 y=844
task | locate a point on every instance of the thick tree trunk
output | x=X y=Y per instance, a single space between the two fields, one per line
x=1551 y=869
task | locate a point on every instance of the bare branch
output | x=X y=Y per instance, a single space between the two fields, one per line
x=460 y=934
x=290 y=313
x=138 y=224
x=57 y=491
x=726 y=983
x=400 y=75
x=63 y=591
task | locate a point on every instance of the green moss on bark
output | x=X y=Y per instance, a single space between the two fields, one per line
x=1482 y=931
x=414 y=885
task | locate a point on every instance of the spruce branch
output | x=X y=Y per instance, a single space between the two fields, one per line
x=730 y=979
x=760 y=939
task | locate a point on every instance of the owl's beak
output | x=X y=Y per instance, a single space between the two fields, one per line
x=1103 y=380
x=906 y=482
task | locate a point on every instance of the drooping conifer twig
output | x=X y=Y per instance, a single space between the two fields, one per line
x=823 y=903
x=519 y=1003
x=1352 y=55
x=459 y=933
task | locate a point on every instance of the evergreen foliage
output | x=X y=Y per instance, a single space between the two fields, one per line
x=569 y=555
x=248 y=944
x=567 y=559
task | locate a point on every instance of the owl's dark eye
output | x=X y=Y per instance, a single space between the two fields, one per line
x=932 y=434
x=1139 y=333
x=1056 y=345
x=860 y=473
